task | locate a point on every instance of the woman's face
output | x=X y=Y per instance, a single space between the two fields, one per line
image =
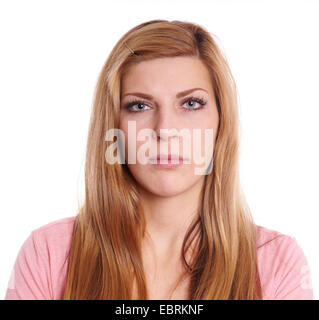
x=165 y=107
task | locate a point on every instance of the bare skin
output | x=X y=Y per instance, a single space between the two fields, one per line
x=169 y=196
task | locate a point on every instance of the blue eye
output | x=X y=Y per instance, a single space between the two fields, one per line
x=134 y=103
x=139 y=103
x=197 y=100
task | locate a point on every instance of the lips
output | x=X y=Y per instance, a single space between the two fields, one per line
x=167 y=158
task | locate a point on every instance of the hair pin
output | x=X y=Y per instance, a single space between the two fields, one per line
x=130 y=48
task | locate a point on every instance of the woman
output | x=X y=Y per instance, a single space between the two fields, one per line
x=154 y=230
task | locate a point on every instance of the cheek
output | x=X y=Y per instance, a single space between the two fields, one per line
x=130 y=132
x=123 y=135
x=209 y=129
x=203 y=139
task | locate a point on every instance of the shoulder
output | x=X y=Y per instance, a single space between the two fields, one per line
x=53 y=241
x=277 y=246
x=266 y=235
x=40 y=268
x=283 y=266
x=55 y=231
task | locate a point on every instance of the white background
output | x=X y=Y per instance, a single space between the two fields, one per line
x=50 y=57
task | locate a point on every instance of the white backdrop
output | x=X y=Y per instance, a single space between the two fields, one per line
x=51 y=55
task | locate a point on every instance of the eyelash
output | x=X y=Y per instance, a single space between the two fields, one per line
x=201 y=101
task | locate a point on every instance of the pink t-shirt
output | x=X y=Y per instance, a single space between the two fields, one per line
x=39 y=272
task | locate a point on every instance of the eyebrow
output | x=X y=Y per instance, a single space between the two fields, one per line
x=147 y=96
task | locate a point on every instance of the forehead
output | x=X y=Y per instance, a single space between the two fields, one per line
x=169 y=75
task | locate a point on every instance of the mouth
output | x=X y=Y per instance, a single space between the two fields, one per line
x=167 y=160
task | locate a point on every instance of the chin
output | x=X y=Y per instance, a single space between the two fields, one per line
x=165 y=192
x=164 y=183
x=165 y=188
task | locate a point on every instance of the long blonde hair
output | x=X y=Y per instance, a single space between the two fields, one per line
x=105 y=253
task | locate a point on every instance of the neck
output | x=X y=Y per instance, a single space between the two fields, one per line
x=168 y=218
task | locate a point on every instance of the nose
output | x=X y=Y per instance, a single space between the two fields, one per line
x=166 y=125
